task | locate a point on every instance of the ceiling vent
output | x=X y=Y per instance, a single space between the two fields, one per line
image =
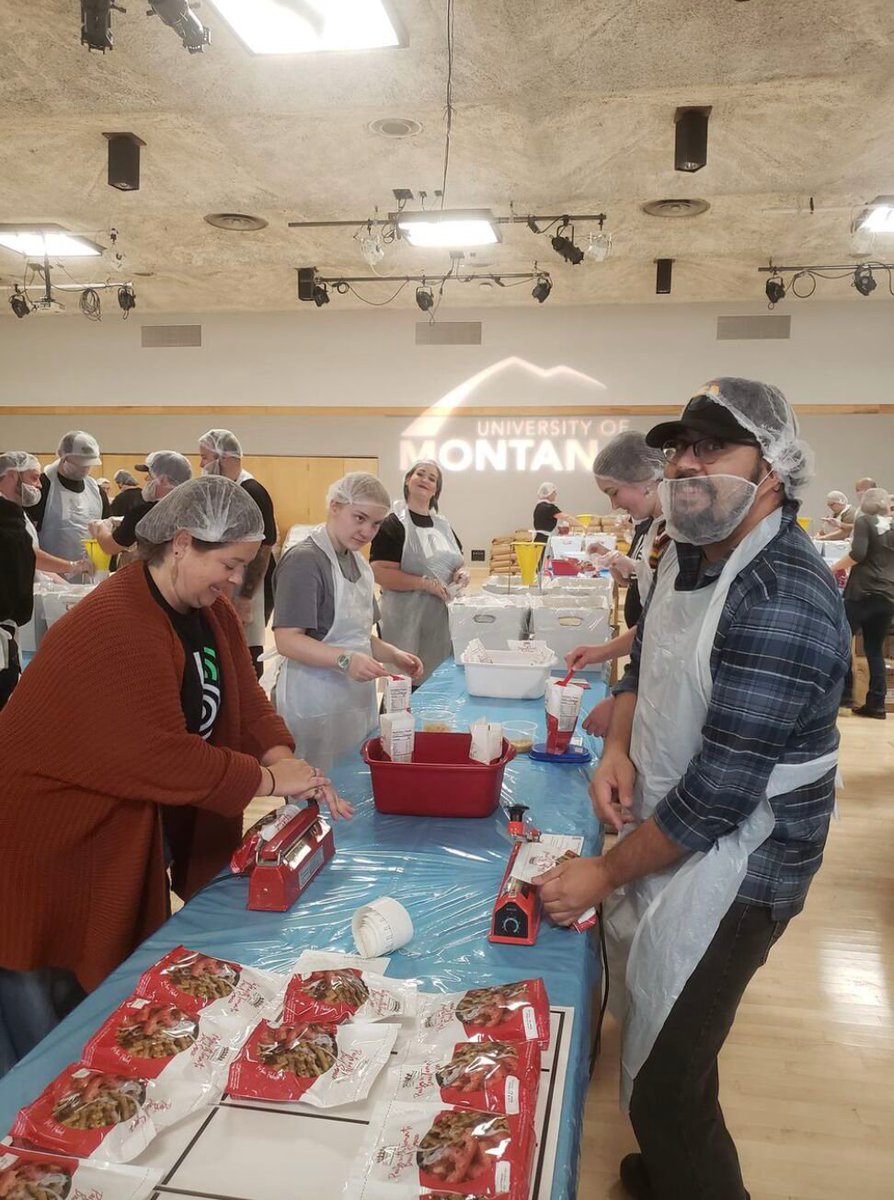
x=236 y=222
x=395 y=127
x=675 y=208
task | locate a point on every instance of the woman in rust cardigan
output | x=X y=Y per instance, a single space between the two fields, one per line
x=136 y=738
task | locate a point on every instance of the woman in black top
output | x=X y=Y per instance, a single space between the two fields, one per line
x=547 y=513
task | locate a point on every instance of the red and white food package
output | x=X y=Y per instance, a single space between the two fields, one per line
x=416 y=1149
x=34 y=1175
x=500 y=1077
x=196 y=983
x=562 y=711
x=345 y=994
x=245 y=858
x=396 y=693
x=323 y=1065
x=508 y=1012
x=88 y=1114
x=398 y=736
x=184 y=1059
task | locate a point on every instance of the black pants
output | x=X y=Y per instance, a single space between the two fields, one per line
x=872 y=617
x=687 y=1150
x=9 y=676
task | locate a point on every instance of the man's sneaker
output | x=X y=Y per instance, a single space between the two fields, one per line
x=877 y=714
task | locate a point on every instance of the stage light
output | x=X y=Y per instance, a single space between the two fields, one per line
x=425 y=299
x=598 y=247
x=307 y=26
x=127 y=301
x=448 y=229
x=321 y=294
x=38 y=241
x=775 y=290
x=372 y=249
x=879 y=216
x=178 y=15
x=18 y=302
x=96 y=24
x=691 y=138
x=564 y=246
x=864 y=280
x=542 y=288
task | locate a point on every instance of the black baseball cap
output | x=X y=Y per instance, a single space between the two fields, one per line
x=705 y=416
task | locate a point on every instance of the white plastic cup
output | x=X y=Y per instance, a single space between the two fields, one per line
x=381 y=927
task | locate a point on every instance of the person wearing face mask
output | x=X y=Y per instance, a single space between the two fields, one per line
x=417 y=561
x=628 y=471
x=20 y=557
x=324 y=611
x=719 y=769
x=164 y=470
x=70 y=499
x=98 y=796
x=220 y=453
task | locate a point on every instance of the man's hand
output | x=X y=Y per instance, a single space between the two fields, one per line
x=611 y=789
x=600 y=715
x=571 y=887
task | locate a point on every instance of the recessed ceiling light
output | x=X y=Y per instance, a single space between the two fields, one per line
x=305 y=26
x=447 y=228
x=236 y=222
x=675 y=208
x=879 y=216
x=395 y=127
x=35 y=241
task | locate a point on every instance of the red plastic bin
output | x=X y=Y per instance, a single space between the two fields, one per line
x=440 y=781
x=564 y=566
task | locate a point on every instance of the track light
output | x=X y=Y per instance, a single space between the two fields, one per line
x=18 y=302
x=320 y=294
x=425 y=299
x=564 y=246
x=372 y=249
x=96 y=24
x=542 y=288
x=864 y=280
x=178 y=15
x=127 y=300
x=691 y=138
x=599 y=247
x=775 y=290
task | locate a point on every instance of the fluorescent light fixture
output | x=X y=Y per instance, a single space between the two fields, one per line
x=305 y=26
x=449 y=229
x=879 y=216
x=34 y=241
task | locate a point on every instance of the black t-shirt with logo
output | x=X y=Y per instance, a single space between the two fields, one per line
x=201 y=693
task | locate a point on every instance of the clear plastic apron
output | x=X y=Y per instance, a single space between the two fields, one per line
x=256 y=627
x=417 y=622
x=329 y=714
x=67 y=515
x=659 y=928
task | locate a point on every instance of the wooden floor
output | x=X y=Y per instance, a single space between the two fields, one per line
x=807 y=1075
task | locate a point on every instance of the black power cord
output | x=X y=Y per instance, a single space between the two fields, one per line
x=603 y=949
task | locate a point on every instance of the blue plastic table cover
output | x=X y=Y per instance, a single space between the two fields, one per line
x=446 y=872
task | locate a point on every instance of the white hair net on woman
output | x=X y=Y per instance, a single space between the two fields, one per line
x=628 y=458
x=17 y=460
x=358 y=487
x=875 y=502
x=836 y=498
x=222 y=443
x=546 y=489
x=211 y=508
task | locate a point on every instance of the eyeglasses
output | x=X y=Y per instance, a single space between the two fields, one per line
x=707 y=450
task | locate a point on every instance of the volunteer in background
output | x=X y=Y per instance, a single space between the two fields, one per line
x=417 y=561
x=20 y=556
x=324 y=611
x=87 y=785
x=165 y=470
x=70 y=499
x=627 y=470
x=220 y=453
x=129 y=494
x=846 y=521
x=841 y=513
x=547 y=513
x=869 y=595
x=721 y=756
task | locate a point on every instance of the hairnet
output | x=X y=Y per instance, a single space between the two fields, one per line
x=222 y=443
x=875 y=501
x=628 y=459
x=212 y=508
x=546 y=489
x=78 y=444
x=125 y=479
x=357 y=487
x=763 y=411
x=836 y=498
x=17 y=460
x=169 y=463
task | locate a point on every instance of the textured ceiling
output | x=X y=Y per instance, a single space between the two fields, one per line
x=563 y=105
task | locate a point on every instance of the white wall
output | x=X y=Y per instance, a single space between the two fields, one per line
x=543 y=356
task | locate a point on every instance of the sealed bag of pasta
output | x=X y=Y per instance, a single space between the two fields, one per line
x=35 y=1175
x=245 y=857
x=323 y=1065
x=195 y=983
x=501 y=1077
x=346 y=994
x=415 y=1149
x=508 y=1012
x=90 y=1114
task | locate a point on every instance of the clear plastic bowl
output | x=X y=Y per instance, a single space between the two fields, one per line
x=436 y=720
x=521 y=735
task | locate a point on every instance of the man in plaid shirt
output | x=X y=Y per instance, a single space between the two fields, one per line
x=719 y=766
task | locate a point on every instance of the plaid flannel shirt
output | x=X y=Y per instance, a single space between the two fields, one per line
x=778 y=663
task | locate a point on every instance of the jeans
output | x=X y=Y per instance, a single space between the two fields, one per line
x=687 y=1151
x=872 y=617
x=9 y=676
x=31 y=1004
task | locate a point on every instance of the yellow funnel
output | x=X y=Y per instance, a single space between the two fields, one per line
x=585 y=519
x=804 y=522
x=528 y=555
x=96 y=554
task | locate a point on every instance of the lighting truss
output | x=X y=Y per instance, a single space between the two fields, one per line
x=802 y=280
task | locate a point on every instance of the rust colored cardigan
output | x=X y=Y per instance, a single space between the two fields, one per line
x=92 y=743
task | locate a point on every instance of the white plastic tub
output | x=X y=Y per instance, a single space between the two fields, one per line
x=510 y=677
x=494 y=621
